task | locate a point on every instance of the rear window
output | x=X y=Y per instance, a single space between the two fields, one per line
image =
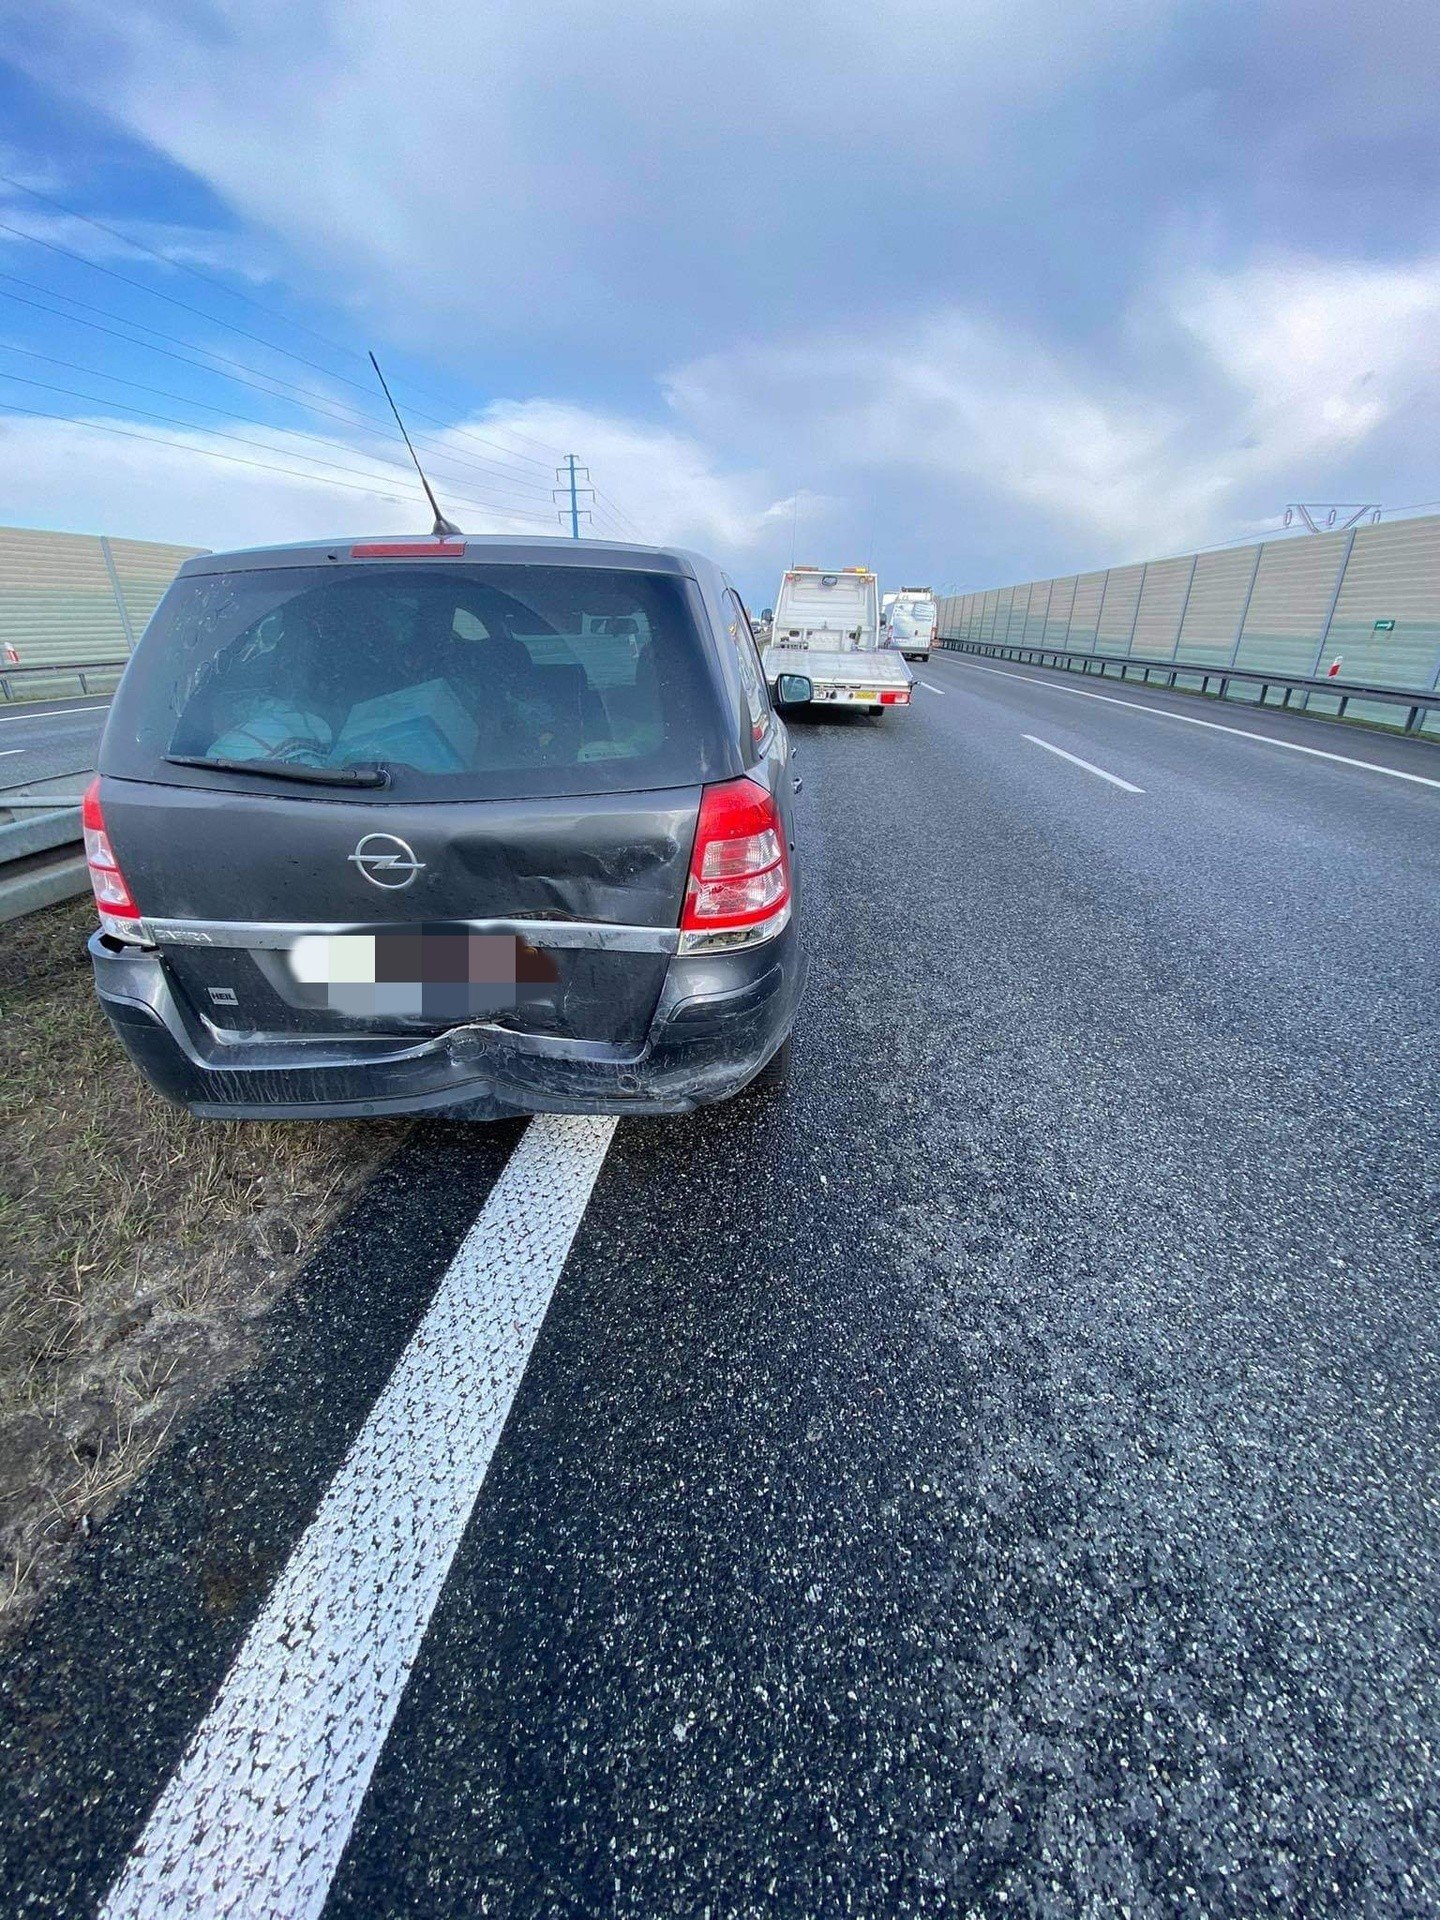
x=911 y=614
x=462 y=681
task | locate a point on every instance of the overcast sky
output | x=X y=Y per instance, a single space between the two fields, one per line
x=975 y=292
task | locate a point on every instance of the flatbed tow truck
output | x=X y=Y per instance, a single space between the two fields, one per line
x=827 y=627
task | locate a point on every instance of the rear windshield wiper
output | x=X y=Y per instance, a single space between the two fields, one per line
x=371 y=775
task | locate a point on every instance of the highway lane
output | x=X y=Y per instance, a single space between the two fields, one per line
x=1312 y=735
x=49 y=739
x=996 y=1476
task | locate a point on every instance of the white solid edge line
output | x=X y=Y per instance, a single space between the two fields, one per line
x=1215 y=726
x=1076 y=761
x=929 y=689
x=254 y=1820
x=56 y=713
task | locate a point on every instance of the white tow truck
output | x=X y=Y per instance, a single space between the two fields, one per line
x=827 y=627
x=907 y=622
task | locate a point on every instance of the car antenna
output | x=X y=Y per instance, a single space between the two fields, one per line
x=442 y=525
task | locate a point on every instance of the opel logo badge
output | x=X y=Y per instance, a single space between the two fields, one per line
x=386 y=861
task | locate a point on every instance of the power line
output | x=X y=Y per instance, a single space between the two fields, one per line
x=352 y=418
x=231 y=459
x=529 y=441
x=619 y=514
x=212 y=280
x=269 y=345
x=409 y=386
x=159 y=440
x=602 y=511
x=240 y=439
x=153 y=293
x=169 y=420
x=615 y=531
x=469 y=433
x=305 y=396
x=1415 y=506
x=178 y=266
x=184 y=400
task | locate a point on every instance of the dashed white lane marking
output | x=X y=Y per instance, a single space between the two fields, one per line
x=1215 y=726
x=929 y=689
x=255 y=1818
x=7 y=752
x=1076 y=761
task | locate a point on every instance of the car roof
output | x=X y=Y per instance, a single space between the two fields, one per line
x=494 y=549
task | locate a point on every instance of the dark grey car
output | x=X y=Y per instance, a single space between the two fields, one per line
x=466 y=825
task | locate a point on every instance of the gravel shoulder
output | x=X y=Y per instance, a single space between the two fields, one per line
x=142 y=1249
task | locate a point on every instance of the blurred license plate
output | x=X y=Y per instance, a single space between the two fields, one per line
x=443 y=974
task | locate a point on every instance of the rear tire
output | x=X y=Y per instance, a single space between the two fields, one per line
x=774 y=1076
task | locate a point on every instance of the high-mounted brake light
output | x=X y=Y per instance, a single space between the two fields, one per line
x=119 y=914
x=409 y=550
x=738 y=893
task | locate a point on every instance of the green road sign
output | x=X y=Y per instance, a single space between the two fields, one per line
x=1384 y=626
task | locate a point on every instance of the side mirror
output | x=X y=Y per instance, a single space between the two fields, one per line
x=794 y=689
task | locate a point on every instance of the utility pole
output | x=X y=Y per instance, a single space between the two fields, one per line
x=568 y=492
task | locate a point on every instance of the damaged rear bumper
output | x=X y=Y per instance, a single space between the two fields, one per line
x=719 y=1019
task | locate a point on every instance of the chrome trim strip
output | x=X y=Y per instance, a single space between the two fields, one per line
x=281 y=935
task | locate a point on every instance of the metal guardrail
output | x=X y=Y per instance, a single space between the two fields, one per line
x=58 y=670
x=42 y=860
x=1418 y=703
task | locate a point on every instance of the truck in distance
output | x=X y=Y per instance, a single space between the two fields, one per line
x=827 y=627
x=908 y=621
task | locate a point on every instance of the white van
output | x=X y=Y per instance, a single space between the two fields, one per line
x=908 y=622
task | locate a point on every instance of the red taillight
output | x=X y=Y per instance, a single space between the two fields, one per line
x=897 y=699
x=409 y=550
x=118 y=912
x=739 y=871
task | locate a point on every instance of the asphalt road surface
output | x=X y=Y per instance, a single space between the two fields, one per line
x=46 y=739
x=997 y=1476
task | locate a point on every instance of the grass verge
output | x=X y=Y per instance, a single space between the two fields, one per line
x=141 y=1250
